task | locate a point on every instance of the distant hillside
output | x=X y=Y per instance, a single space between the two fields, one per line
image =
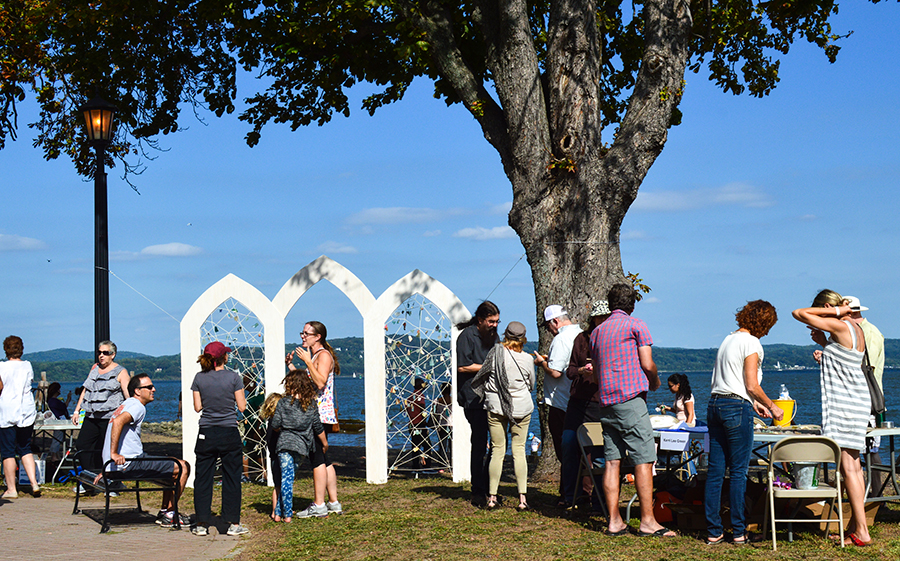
x=73 y=365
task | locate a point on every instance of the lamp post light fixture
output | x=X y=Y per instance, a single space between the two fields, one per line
x=98 y=117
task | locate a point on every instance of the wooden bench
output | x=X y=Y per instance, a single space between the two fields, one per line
x=116 y=482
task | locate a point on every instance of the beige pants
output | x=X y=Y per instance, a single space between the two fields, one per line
x=497 y=426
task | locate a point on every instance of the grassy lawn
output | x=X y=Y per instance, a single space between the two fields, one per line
x=432 y=519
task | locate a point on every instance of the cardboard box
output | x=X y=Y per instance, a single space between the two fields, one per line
x=688 y=516
x=819 y=511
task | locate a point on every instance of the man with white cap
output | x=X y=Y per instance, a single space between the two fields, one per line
x=556 y=384
x=874 y=338
x=875 y=351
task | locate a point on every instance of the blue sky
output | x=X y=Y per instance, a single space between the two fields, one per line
x=770 y=198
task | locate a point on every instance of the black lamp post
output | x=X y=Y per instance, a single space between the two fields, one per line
x=98 y=116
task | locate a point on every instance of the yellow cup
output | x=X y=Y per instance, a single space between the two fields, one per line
x=790 y=410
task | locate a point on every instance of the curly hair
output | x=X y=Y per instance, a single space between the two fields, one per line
x=757 y=317
x=268 y=407
x=13 y=346
x=300 y=387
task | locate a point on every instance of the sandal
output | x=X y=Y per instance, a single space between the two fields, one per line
x=522 y=507
x=715 y=541
x=854 y=540
x=36 y=491
x=492 y=504
x=749 y=537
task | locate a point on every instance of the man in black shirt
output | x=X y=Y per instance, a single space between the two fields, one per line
x=476 y=338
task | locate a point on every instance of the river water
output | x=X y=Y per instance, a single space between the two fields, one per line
x=350 y=394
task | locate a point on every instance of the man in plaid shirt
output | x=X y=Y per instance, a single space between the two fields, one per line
x=622 y=357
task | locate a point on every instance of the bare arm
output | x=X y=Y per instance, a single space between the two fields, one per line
x=115 y=433
x=751 y=368
x=318 y=368
x=689 y=412
x=541 y=361
x=78 y=407
x=645 y=356
x=472 y=368
x=198 y=403
x=240 y=399
x=123 y=378
x=828 y=319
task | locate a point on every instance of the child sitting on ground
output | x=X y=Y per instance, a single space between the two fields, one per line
x=265 y=413
x=297 y=420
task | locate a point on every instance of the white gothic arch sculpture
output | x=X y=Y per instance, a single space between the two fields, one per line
x=323 y=268
x=415 y=282
x=229 y=286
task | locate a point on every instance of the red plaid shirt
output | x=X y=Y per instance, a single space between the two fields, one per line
x=614 y=349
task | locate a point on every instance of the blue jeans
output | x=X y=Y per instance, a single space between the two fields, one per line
x=730 y=439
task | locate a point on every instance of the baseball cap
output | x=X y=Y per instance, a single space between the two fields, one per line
x=216 y=349
x=554 y=311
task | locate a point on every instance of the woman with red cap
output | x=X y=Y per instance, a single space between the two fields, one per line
x=216 y=391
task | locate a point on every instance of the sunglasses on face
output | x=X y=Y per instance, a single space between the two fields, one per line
x=105 y=353
x=150 y=387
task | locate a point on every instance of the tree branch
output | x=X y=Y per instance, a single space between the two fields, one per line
x=436 y=22
x=658 y=88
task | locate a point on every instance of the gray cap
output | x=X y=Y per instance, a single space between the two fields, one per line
x=514 y=330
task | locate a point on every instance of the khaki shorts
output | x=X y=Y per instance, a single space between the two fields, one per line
x=627 y=429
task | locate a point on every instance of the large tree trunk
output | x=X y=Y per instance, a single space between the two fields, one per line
x=570 y=193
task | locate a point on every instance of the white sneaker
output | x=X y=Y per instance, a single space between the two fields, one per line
x=237 y=530
x=334 y=508
x=199 y=531
x=313 y=511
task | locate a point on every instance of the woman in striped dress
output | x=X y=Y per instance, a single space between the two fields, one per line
x=845 y=396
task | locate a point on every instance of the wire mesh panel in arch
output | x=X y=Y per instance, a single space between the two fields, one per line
x=238 y=328
x=418 y=387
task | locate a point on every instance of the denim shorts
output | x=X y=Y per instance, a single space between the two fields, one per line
x=627 y=429
x=15 y=441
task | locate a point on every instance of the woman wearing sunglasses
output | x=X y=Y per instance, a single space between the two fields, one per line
x=104 y=390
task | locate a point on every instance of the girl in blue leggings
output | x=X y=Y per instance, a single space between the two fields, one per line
x=301 y=435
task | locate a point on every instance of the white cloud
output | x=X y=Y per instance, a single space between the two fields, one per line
x=634 y=235
x=502 y=208
x=174 y=249
x=479 y=233
x=808 y=217
x=650 y=300
x=336 y=247
x=733 y=194
x=20 y=243
x=401 y=215
x=431 y=233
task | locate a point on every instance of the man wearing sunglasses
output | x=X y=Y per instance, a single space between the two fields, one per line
x=123 y=445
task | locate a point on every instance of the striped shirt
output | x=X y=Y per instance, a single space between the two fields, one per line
x=846 y=403
x=614 y=348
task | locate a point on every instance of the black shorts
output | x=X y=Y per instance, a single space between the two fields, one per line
x=15 y=441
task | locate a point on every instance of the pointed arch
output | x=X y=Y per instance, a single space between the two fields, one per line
x=416 y=282
x=323 y=268
x=230 y=286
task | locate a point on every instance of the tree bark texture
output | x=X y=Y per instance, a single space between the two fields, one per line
x=570 y=192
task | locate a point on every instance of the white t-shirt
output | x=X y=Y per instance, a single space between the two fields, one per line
x=130 y=437
x=728 y=375
x=556 y=390
x=16 y=400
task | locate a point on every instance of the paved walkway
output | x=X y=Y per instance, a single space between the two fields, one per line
x=45 y=528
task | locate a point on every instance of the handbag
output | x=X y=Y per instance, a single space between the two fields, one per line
x=875 y=392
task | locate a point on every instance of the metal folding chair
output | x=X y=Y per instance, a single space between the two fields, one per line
x=812 y=449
